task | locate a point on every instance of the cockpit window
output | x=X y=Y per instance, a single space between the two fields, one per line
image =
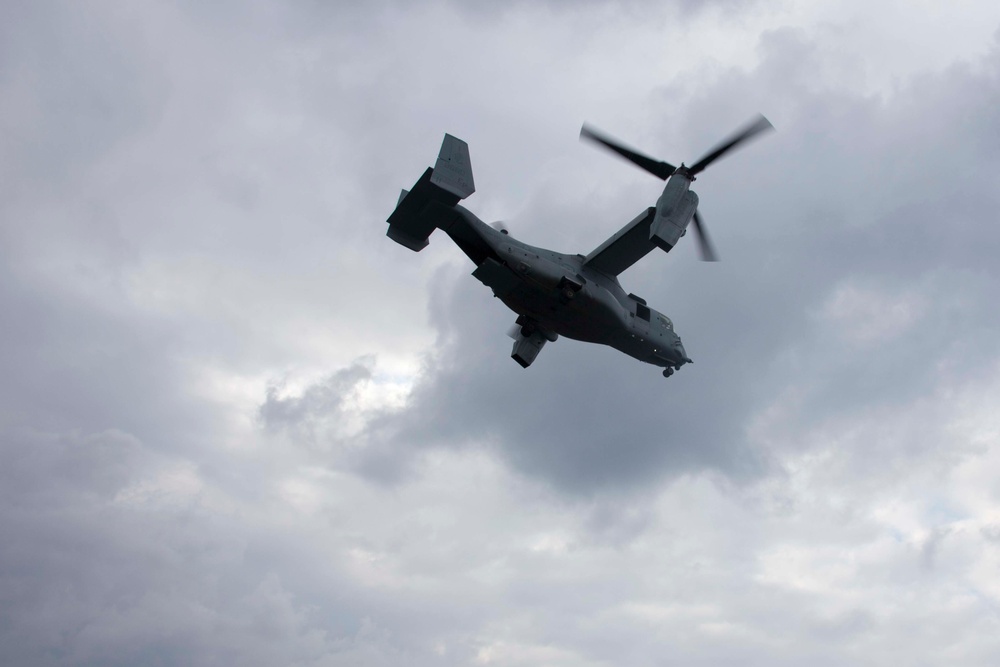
x=642 y=311
x=665 y=322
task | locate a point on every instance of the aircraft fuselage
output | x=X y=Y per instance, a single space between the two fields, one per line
x=558 y=294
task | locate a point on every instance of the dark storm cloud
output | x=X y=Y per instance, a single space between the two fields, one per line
x=579 y=419
x=105 y=565
x=196 y=208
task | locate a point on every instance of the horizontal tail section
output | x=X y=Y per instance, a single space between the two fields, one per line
x=426 y=205
x=410 y=224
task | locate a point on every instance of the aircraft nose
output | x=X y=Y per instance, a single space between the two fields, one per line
x=681 y=353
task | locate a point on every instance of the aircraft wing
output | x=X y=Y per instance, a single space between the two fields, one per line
x=626 y=247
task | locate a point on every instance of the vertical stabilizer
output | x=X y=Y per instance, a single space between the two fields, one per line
x=453 y=170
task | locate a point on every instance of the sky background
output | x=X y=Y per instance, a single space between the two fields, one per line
x=239 y=425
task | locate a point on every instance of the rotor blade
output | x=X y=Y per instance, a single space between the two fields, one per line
x=707 y=251
x=657 y=168
x=754 y=128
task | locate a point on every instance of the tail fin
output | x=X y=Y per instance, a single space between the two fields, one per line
x=418 y=211
x=453 y=169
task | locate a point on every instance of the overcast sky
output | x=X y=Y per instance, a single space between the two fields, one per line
x=239 y=425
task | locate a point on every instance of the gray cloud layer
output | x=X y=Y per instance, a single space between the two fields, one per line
x=240 y=425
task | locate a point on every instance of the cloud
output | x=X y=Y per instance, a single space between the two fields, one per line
x=320 y=405
x=240 y=425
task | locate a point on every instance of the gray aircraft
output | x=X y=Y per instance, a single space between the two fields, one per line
x=556 y=294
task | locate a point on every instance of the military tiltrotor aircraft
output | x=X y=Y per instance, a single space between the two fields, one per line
x=556 y=294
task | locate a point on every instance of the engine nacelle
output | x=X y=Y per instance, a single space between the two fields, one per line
x=672 y=219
